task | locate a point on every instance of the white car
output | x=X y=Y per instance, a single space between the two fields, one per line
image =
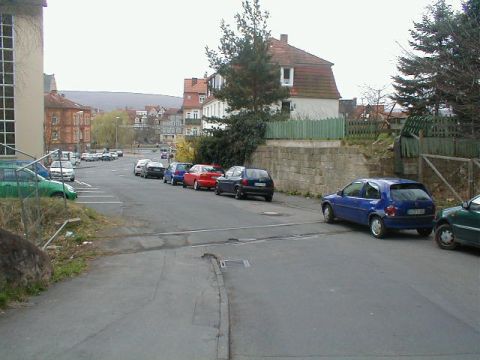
x=139 y=165
x=66 y=171
x=114 y=155
x=84 y=156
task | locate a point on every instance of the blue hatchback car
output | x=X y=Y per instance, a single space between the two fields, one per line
x=382 y=204
x=175 y=171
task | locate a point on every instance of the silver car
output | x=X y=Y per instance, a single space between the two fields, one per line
x=137 y=169
x=66 y=170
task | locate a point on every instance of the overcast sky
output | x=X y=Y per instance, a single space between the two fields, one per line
x=150 y=46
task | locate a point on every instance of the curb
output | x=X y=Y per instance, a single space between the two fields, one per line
x=223 y=340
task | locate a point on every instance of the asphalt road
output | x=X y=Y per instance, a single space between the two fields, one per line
x=297 y=287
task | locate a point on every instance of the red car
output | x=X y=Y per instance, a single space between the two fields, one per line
x=202 y=176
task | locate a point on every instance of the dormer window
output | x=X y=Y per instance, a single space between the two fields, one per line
x=202 y=99
x=286 y=76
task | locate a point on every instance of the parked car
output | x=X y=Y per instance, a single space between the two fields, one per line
x=119 y=153
x=66 y=170
x=25 y=183
x=39 y=168
x=90 y=157
x=382 y=204
x=106 y=156
x=202 y=176
x=84 y=156
x=153 y=169
x=114 y=155
x=98 y=156
x=137 y=168
x=175 y=171
x=243 y=182
x=459 y=225
x=164 y=155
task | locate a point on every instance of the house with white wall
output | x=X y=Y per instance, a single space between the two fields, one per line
x=310 y=80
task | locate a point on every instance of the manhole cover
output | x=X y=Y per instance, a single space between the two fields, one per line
x=271 y=213
x=232 y=263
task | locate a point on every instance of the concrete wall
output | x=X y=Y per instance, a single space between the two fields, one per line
x=316 y=170
x=314 y=109
x=28 y=50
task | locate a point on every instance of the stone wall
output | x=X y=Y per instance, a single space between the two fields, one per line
x=317 y=170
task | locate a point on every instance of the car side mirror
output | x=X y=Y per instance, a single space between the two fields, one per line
x=340 y=193
x=465 y=205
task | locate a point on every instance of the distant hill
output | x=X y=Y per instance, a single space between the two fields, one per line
x=108 y=101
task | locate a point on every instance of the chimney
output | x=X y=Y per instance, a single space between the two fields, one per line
x=194 y=81
x=284 y=38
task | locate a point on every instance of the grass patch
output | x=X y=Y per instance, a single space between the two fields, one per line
x=67 y=269
x=69 y=255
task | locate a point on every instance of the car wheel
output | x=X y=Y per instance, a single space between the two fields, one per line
x=196 y=187
x=328 y=214
x=268 y=198
x=217 y=190
x=164 y=180
x=184 y=185
x=72 y=179
x=377 y=227
x=445 y=238
x=424 y=231
x=238 y=193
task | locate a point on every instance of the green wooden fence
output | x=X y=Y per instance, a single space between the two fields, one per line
x=361 y=129
x=327 y=129
x=468 y=148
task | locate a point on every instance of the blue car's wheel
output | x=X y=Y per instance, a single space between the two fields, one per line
x=328 y=214
x=377 y=227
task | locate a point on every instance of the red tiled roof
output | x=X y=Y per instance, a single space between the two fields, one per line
x=56 y=100
x=171 y=111
x=288 y=55
x=192 y=88
x=314 y=82
x=195 y=85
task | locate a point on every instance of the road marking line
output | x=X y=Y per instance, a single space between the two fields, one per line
x=91 y=191
x=96 y=196
x=237 y=228
x=99 y=202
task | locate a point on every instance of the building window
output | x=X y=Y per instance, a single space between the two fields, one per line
x=286 y=107
x=286 y=76
x=55 y=135
x=7 y=76
x=195 y=114
x=201 y=99
x=54 y=120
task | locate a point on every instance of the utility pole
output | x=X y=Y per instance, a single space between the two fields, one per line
x=116 y=132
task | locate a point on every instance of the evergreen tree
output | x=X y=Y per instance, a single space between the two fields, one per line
x=463 y=88
x=252 y=81
x=422 y=87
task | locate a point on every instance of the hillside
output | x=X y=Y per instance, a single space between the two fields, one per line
x=108 y=101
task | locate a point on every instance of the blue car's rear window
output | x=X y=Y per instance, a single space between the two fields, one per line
x=408 y=192
x=257 y=174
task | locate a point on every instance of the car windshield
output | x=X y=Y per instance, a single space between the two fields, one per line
x=183 y=167
x=257 y=174
x=65 y=164
x=409 y=192
x=155 y=164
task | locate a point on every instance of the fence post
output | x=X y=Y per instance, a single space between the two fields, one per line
x=471 y=190
x=420 y=154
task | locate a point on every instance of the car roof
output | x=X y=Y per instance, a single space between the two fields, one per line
x=389 y=181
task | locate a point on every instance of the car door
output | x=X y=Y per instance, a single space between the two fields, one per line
x=347 y=205
x=168 y=172
x=236 y=178
x=190 y=175
x=466 y=224
x=224 y=182
x=369 y=199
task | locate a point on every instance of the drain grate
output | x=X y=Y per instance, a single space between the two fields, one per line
x=234 y=263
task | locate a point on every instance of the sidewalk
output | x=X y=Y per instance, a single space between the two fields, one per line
x=149 y=305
